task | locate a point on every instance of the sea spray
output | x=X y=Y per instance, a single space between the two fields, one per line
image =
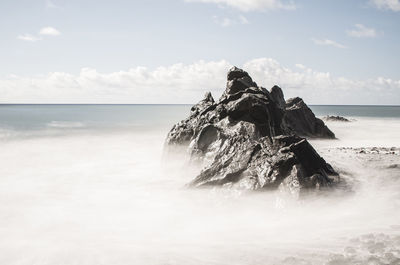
x=99 y=196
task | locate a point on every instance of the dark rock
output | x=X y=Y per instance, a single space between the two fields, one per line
x=300 y=118
x=378 y=150
x=277 y=96
x=335 y=118
x=238 y=80
x=265 y=164
x=183 y=132
x=235 y=73
x=248 y=139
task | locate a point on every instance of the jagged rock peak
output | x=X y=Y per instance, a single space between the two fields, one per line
x=238 y=80
x=206 y=102
x=295 y=103
x=236 y=72
x=208 y=97
x=277 y=95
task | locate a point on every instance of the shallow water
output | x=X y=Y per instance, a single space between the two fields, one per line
x=89 y=185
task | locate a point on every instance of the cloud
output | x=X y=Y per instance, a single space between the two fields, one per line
x=223 y=22
x=321 y=87
x=362 y=31
x=393 y=5
x=46 y=31
x=243 y=20
x=50 y=4
x=226 y=21
x=328 y=42
x=28 y=37
x=300 y=66
x=49 y=31
x=178 y=83
x=186 y=83
x=251 y=5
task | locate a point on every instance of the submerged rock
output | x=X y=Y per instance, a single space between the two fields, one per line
x=335 y=118
x=250 y=138
x=372 y=150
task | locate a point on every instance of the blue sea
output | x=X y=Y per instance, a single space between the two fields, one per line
x=91 y=184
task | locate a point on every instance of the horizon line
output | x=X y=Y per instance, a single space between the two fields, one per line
x=184 y=104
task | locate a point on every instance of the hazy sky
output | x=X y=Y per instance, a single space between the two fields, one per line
x=159 y=51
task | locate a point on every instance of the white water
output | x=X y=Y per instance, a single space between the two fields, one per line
x=93 y=197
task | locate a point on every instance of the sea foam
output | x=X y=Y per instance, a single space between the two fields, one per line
x=109 y=197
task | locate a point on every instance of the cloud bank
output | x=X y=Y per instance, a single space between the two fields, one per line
x=251 y=5
x=50 y=31
x=28 y=37
x=393 y=5
x=327 y=42
x=186 y=83
x=227 y=21
x=46 y=31
x=362 y=31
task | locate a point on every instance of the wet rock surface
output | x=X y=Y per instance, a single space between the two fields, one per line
x=372 y=150
x=376 y=249
x=250 y=139
x=369 y=249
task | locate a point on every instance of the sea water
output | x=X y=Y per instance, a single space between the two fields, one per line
x=90 y=184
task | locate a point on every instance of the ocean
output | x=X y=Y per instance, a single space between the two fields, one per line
x=90 y=184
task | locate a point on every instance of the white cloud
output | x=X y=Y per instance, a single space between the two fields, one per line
x=393 y=5
x=223 y=22
x=252 y=5
x=49 y=31
x=178 y=83
x=328 y=42
x=229 y=21
x=50 y=4
x=321 y=87
x=186 y=83
x=300 y=66
x=362 y=31
x=46 y=31
x=243 y=20
x=28 y=37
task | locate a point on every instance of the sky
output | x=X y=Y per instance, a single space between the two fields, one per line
x=173 y=51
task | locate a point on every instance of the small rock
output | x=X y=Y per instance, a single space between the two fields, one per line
x=335 y=118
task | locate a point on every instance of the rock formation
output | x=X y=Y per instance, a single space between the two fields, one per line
x=335 y=118
x=250 y=138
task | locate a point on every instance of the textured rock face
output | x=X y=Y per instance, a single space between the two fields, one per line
x=265 y=164
x=302 y=121
x=249 y=139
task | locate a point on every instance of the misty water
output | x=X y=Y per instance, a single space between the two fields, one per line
x=91 y=185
